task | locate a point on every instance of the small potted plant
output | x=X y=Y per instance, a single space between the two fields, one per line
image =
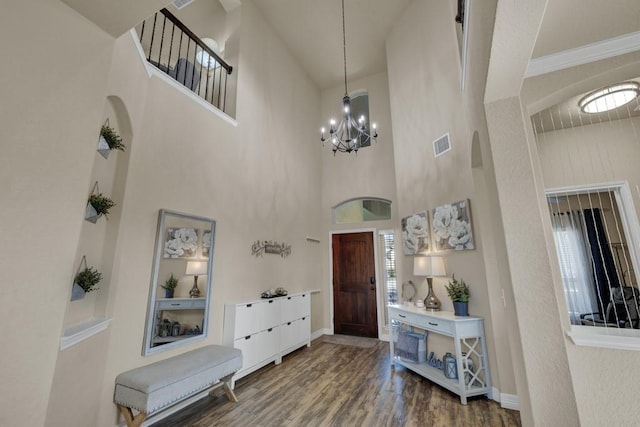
x=458 y=291
x=85 y=281
x=97 y=206
x=109 y=140
x=169 y=286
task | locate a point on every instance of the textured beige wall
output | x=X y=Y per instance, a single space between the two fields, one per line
x=107 y=14
x=48 y=140
x=257 y=180
x=592 y=154
x=587 y=155
x=537 y=300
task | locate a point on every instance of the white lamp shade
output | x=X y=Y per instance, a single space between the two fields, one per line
x=429 y=266
x=196 y=268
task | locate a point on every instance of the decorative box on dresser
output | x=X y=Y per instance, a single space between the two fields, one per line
x=267 y=329
x=469 y=344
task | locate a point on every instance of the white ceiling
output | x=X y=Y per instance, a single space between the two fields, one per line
x=569 y=24
x=312 y=31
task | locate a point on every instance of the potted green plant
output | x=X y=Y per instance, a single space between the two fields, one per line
x=458 y=291
x=109 y=140
x=169 y=286
x=85 y=281
x=97 y=206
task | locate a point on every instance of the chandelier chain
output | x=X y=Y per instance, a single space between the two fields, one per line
x=344 y=50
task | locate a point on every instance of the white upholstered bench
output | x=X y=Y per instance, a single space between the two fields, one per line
x=152 y=388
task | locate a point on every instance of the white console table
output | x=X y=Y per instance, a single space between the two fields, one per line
x=469 y=343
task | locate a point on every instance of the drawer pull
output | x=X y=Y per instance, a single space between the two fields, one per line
x=304 y=295
x=270 y=329
x=249 y=305
x=288 y=297
x=402 y=315
x=175 y=304
x=270 y=301
x=247 y=337
x=288 y=323
x=433 y=324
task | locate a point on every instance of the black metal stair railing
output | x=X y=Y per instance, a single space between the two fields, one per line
x=174 y=49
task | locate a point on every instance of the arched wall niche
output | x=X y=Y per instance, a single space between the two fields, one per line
x=476 y=151
x=98 y=241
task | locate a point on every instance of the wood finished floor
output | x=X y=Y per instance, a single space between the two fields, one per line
x=338 y=385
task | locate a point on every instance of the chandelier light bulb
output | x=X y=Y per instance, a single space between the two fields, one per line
x=346 y=109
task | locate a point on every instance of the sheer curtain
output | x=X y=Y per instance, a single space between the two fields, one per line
x=575 y=263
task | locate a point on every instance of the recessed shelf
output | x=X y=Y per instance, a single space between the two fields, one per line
x=75 y=334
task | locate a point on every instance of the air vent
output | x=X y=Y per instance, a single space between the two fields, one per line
x=179 y=4
x=441 y=145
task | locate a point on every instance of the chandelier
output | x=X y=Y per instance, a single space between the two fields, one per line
x=350 y=134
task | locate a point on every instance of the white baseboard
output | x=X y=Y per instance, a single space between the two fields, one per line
x=320 y=332
x=507 y=401
x=510 y=401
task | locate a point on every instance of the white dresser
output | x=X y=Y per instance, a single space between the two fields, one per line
x=267 y=329
x=468 y=343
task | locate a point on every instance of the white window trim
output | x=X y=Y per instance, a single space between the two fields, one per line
x=602 y=337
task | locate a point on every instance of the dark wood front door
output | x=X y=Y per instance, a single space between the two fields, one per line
x=354 y=286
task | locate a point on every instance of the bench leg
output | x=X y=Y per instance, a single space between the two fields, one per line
x=130 y=419
x=225 y=382
x=230 y=394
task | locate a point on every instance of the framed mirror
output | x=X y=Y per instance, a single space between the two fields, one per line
x=180 y=289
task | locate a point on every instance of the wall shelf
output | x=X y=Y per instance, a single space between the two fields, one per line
x=75 y=334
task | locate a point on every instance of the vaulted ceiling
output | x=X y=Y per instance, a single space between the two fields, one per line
x=312 y=29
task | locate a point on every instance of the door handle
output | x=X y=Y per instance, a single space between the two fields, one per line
x=372 y=280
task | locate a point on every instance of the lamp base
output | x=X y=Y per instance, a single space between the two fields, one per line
x=431 y=302
x=194 y=292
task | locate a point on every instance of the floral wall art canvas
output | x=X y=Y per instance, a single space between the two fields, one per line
x=451 y=227
x=206 y=243
x=181 y=243
x=415 y=234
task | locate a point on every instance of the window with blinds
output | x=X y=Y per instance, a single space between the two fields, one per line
x=387 y=240
x=596 y=263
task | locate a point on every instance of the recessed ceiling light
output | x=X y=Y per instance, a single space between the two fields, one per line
x=610 y=97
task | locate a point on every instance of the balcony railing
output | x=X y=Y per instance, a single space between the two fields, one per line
x=174 y=49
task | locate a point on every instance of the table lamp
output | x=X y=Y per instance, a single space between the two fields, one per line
x=429 y=267
x=195 y=269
